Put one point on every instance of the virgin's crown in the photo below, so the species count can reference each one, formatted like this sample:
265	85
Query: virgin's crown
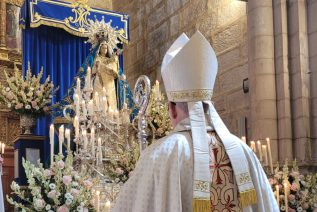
103	32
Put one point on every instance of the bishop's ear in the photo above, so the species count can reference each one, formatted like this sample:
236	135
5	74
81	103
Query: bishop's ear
172	110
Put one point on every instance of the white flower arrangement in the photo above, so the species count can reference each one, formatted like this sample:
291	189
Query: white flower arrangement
59	188
26	95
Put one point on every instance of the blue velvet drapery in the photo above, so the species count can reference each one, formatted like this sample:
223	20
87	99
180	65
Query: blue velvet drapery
61	55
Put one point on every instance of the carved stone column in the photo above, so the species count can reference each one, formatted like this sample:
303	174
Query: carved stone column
282	80
299	78
263	112
312	39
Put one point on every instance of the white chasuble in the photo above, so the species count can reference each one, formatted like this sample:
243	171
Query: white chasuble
163	178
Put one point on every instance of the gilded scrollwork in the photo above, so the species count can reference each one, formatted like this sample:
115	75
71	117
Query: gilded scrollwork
244	178
202	186
190	95
81	10
15	2
10	127
37	17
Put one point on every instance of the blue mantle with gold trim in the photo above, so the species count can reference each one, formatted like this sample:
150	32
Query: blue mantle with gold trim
72	17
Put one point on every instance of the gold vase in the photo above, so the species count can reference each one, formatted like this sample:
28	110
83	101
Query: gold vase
27	123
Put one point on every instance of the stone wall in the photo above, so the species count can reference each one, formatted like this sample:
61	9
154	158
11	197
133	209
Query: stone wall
155	24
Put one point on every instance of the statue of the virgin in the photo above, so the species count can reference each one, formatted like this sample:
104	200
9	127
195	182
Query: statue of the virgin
105	60
105	73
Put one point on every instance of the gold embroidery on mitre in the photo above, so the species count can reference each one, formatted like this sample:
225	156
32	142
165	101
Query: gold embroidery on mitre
190	95
202	186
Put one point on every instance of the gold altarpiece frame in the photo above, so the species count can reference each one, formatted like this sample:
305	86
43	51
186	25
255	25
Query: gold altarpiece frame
10	57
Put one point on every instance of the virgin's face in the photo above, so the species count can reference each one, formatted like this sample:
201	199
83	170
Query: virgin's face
103	49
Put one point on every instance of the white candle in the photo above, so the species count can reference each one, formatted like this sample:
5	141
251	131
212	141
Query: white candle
88	78
99	150
278	195
61	139
52	143
286	196
99	143
85	139
270	153
92	134
252	143
260	150
67	135
76	101
243	139
156	89
97	101
76	126
3	147
78	86
108	206
90	107
98	200
83	105
264	151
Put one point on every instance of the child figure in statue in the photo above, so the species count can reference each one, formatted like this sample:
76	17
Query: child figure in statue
105	72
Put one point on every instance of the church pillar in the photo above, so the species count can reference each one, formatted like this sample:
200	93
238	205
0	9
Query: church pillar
263	112
299	78
312	33
284	119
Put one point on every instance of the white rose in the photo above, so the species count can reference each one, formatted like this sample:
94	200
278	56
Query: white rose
69	201
69	196
9	105
39	204
15	186
7	89
48	207
28	107
52	186
80	208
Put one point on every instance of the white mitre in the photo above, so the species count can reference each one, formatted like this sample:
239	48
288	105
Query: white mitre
189	70
184	72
